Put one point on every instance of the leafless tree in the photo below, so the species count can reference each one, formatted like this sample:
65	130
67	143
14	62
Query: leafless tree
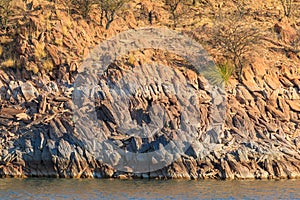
241	6
173	9
109	9
287	7
84	7
5	12
235	39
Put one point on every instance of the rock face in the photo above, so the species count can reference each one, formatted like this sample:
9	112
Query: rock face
38	135
260	138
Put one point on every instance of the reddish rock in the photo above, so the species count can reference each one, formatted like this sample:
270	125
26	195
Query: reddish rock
285	30
294	104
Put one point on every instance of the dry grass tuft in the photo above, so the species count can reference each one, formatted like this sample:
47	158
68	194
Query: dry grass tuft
40	51
8	63
1	51
48	65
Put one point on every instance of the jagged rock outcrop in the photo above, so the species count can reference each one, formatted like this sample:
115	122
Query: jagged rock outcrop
260	137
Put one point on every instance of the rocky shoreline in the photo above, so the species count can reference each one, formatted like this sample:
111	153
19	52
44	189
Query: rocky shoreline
260	138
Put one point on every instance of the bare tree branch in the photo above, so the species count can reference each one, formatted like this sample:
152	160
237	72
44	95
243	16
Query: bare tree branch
235	39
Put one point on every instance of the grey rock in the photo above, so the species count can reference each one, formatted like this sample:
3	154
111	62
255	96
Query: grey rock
29	91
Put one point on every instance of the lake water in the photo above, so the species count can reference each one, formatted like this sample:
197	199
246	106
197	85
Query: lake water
35	188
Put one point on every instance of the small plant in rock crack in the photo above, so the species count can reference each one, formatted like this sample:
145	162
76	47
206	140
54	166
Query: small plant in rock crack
226	70
220	73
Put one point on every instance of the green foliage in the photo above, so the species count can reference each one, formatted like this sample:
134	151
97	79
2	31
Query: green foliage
109	9
226	70
219	74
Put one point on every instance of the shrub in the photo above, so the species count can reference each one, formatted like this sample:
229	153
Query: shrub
109	9
235	39
39	52
8	63
33	67
59	41
287	7
84	7
173	9
48	65
131	59
241	6
5	12
226	70
219	74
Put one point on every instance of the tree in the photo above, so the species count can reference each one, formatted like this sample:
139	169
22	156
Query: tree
173	9
287	7
235	38
84	7
68	4
241	6
109	9
5	12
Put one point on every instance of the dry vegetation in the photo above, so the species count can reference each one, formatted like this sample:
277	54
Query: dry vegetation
5	12
173	8
109	9
42	30
235	38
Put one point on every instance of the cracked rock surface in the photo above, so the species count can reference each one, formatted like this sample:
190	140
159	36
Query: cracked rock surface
260	137
40	137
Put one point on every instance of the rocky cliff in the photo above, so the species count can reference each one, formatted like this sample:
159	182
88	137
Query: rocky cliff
259	139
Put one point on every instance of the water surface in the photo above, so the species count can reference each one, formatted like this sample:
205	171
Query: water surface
35	188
